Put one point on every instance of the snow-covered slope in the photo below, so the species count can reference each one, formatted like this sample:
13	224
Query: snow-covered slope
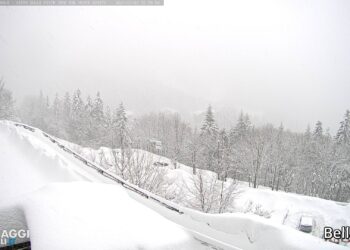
283	208
67	205
62	212
82	215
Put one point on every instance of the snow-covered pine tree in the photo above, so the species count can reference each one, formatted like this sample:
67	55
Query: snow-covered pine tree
121	127
97	111
318	131
77	123
98	119
247	122
209	125
343	134
108	127
208	136
242	127
89	122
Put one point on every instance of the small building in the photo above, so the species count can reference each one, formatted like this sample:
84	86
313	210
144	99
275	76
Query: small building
155	145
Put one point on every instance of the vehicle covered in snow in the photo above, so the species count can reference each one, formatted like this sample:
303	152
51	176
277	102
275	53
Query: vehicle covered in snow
160	164
306	224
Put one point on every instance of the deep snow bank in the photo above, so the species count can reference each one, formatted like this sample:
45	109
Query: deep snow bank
71	214
245	231
287	208
83	215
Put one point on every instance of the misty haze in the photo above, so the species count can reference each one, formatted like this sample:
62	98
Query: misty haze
188	125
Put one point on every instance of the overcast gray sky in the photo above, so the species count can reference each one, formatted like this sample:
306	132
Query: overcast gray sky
281	61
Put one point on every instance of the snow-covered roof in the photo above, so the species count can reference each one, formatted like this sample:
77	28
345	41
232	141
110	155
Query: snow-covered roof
306	221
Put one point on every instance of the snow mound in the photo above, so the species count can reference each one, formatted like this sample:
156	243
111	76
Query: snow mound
82	215
254	232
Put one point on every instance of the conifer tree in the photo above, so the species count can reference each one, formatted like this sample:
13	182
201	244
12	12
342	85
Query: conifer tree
89	121
208	136
121	127
209	126
318	131
343	134
77	125
242	127
97	111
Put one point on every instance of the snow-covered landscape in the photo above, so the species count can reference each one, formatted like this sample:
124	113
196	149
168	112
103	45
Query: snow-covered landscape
182	125
280	207
67	205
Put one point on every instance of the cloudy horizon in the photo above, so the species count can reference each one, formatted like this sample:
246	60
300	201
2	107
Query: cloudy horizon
280	61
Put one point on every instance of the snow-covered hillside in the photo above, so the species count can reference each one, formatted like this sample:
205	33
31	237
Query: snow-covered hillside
281	207
67	205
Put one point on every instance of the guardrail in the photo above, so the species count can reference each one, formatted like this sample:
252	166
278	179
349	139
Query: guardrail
106	173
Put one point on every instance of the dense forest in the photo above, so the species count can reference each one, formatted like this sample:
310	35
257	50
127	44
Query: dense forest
313	163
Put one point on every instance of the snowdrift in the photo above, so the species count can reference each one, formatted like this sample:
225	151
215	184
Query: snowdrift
83	215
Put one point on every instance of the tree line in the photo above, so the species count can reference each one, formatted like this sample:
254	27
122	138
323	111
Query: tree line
313	163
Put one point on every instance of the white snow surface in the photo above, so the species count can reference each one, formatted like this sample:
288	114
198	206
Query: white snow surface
82	215
306	221
67	205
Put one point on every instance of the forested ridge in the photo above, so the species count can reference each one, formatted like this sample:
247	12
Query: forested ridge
313	163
